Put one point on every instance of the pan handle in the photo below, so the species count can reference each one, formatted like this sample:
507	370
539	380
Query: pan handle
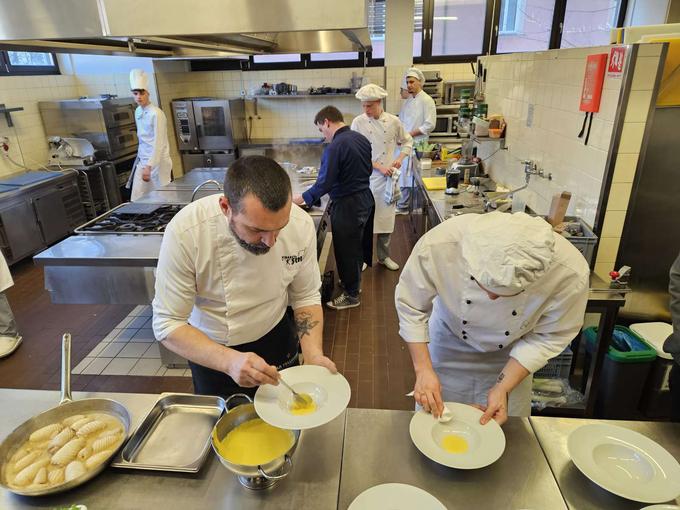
285	470
228	400
66	369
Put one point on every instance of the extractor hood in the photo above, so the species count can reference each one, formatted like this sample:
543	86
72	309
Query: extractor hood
181	29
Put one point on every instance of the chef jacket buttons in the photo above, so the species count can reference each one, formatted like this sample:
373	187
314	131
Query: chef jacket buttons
500	346
464	333
464	337
464	322
507	333
468	301
514	312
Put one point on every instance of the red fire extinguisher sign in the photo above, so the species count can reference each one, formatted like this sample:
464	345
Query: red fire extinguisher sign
596	66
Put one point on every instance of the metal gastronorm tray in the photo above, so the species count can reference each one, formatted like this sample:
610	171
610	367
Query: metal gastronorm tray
174	435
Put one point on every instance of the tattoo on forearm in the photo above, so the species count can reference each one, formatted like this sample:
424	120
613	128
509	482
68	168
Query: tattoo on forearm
304	323
500	377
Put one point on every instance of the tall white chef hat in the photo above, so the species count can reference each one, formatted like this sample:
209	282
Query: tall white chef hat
416	73
371	92
139	80
404	85
506	253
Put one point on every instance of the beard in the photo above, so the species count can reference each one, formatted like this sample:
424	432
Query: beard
254	248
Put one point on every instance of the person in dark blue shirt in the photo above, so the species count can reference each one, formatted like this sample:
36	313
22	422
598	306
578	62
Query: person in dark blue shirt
345	174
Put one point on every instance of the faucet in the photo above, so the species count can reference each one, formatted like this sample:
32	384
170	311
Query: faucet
531	168
209	181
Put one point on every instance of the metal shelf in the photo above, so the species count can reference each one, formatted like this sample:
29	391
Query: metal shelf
298	96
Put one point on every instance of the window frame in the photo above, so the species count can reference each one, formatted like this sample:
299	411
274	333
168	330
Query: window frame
7	69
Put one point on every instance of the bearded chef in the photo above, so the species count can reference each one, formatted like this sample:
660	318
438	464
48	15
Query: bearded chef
484	301
9	337
153	165
387	136
419	115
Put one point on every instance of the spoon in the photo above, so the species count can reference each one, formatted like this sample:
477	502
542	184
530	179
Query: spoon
301	400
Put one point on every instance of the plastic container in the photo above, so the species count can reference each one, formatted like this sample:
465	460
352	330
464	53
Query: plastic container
580	235
656	395
623	375
558	367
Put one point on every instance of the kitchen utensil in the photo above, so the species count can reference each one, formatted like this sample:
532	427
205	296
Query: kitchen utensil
396	496
434	183
298	398
625	463
330	392
484	444
252	477
452	178
173	418
66	407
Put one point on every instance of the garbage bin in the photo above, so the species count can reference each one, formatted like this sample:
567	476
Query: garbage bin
656	395
623	373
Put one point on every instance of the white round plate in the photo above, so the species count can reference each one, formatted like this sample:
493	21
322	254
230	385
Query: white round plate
330	393
486	443
625	463
395	496
661	507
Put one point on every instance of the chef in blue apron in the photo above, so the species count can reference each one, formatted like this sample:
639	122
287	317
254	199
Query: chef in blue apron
153	165
483	302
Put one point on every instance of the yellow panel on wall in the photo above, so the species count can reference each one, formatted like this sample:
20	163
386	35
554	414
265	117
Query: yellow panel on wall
669	92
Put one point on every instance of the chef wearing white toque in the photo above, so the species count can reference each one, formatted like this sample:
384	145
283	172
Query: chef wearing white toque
153	165
419	115
484	301
387	136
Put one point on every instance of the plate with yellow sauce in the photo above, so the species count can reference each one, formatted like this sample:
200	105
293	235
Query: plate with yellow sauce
254	443
462	443
325	395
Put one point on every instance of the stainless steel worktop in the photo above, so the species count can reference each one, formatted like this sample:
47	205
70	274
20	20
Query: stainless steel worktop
272	142
313	483
378	449
578	491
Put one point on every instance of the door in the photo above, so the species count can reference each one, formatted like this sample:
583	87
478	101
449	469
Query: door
52	218
191	161
213	124
20	231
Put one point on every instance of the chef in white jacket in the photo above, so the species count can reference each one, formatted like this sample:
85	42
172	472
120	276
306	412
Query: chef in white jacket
387	136
230	270
419	115
9	337
484	301
153	165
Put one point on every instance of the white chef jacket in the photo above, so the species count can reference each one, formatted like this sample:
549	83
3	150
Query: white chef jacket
385	133
436	286
6	280
419	112
205	278
152	131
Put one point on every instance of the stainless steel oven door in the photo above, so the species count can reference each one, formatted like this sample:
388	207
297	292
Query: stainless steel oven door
123	140
117	116
213	124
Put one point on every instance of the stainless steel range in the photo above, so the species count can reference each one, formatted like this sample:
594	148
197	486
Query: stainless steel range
132	218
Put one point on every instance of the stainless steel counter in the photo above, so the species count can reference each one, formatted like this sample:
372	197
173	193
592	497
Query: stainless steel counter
313	483
378	449
271	142
578	491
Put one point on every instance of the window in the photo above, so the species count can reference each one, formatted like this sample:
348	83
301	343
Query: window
283	57
376	27
458	27
342	55
27	62
524	25
588	22
418	32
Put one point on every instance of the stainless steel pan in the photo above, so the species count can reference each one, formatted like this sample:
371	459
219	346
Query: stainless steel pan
67	407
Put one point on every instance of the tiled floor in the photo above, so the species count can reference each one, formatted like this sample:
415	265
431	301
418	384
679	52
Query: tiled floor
129	349
107	340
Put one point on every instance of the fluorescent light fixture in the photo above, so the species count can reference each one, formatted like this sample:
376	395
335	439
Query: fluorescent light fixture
446	18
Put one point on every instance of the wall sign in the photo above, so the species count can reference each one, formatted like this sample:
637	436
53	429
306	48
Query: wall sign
617	57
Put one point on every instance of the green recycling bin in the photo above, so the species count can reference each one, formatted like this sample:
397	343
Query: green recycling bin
624	372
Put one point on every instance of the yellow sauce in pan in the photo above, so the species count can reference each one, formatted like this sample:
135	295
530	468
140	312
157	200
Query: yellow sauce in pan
455	444
254	443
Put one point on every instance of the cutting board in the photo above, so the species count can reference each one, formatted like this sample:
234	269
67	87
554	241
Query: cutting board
434	183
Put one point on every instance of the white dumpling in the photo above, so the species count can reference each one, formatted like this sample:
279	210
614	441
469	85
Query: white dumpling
44	433
20	453
105	442
68	452
60	440
56	477
27	475
74	470
72	419
41	476
84	453
90	428
76	426
98	458
26	460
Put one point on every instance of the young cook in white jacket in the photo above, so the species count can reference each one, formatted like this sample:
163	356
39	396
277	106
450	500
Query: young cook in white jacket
153	165
386	134
484	301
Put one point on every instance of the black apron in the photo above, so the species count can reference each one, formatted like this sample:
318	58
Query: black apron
352	227
280	347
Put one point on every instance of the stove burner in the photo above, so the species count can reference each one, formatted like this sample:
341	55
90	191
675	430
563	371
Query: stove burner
140	222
